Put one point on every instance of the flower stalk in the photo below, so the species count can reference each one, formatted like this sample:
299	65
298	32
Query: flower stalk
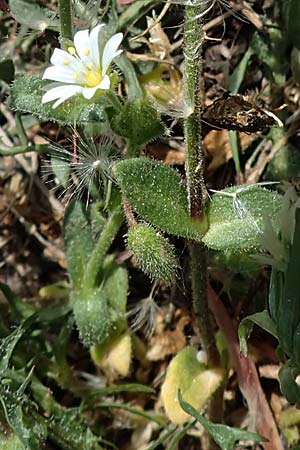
108	234
65	10
193	83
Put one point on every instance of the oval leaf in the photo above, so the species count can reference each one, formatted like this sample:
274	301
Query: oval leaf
157	194
237	215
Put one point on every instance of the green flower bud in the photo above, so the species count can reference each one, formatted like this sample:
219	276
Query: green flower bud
154	254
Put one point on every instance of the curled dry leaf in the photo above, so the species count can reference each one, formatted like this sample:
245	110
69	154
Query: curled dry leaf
167	342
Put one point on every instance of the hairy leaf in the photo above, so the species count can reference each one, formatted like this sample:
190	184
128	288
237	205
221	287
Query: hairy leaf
78	241
33	16
157	194
226	437
236	217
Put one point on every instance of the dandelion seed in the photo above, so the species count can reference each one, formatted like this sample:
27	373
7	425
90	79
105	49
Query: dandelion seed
239	206
144	315
77	174
83	69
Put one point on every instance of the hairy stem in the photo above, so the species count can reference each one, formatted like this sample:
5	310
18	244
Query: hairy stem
194	37
65	10
199	290
193	82
108	234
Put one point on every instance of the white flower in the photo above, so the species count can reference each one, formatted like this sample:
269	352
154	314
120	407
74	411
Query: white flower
83	69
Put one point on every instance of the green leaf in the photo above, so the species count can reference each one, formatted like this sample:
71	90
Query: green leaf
289	387
263	320
70	431
79	241
289	307
33	16
10	442
275	292
271	49
138	411
19	308
133	11
26	96
126	67
293	20
8	344
112	390
92	315
138	122
286	163
194	379
157	194
237	76
116	288
31	432
7	70
236	217
226	437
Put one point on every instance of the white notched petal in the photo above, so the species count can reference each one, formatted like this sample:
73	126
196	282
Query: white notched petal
105	83
111	51
94	44
61	92
82	43
60	57
88	93
58	73
66	96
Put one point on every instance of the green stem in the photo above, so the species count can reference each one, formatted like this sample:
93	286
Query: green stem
65	10
107	235
199	290
114	101
133	150
195	162
21	130
38	148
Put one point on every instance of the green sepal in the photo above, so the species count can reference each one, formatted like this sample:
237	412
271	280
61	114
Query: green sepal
79	242
26	96
154	254
138	122
157	194
236	218
225	436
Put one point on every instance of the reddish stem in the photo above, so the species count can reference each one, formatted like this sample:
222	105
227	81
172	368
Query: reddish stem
259	409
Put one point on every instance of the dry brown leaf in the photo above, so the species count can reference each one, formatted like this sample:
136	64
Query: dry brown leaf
218	148
166	342
166	154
